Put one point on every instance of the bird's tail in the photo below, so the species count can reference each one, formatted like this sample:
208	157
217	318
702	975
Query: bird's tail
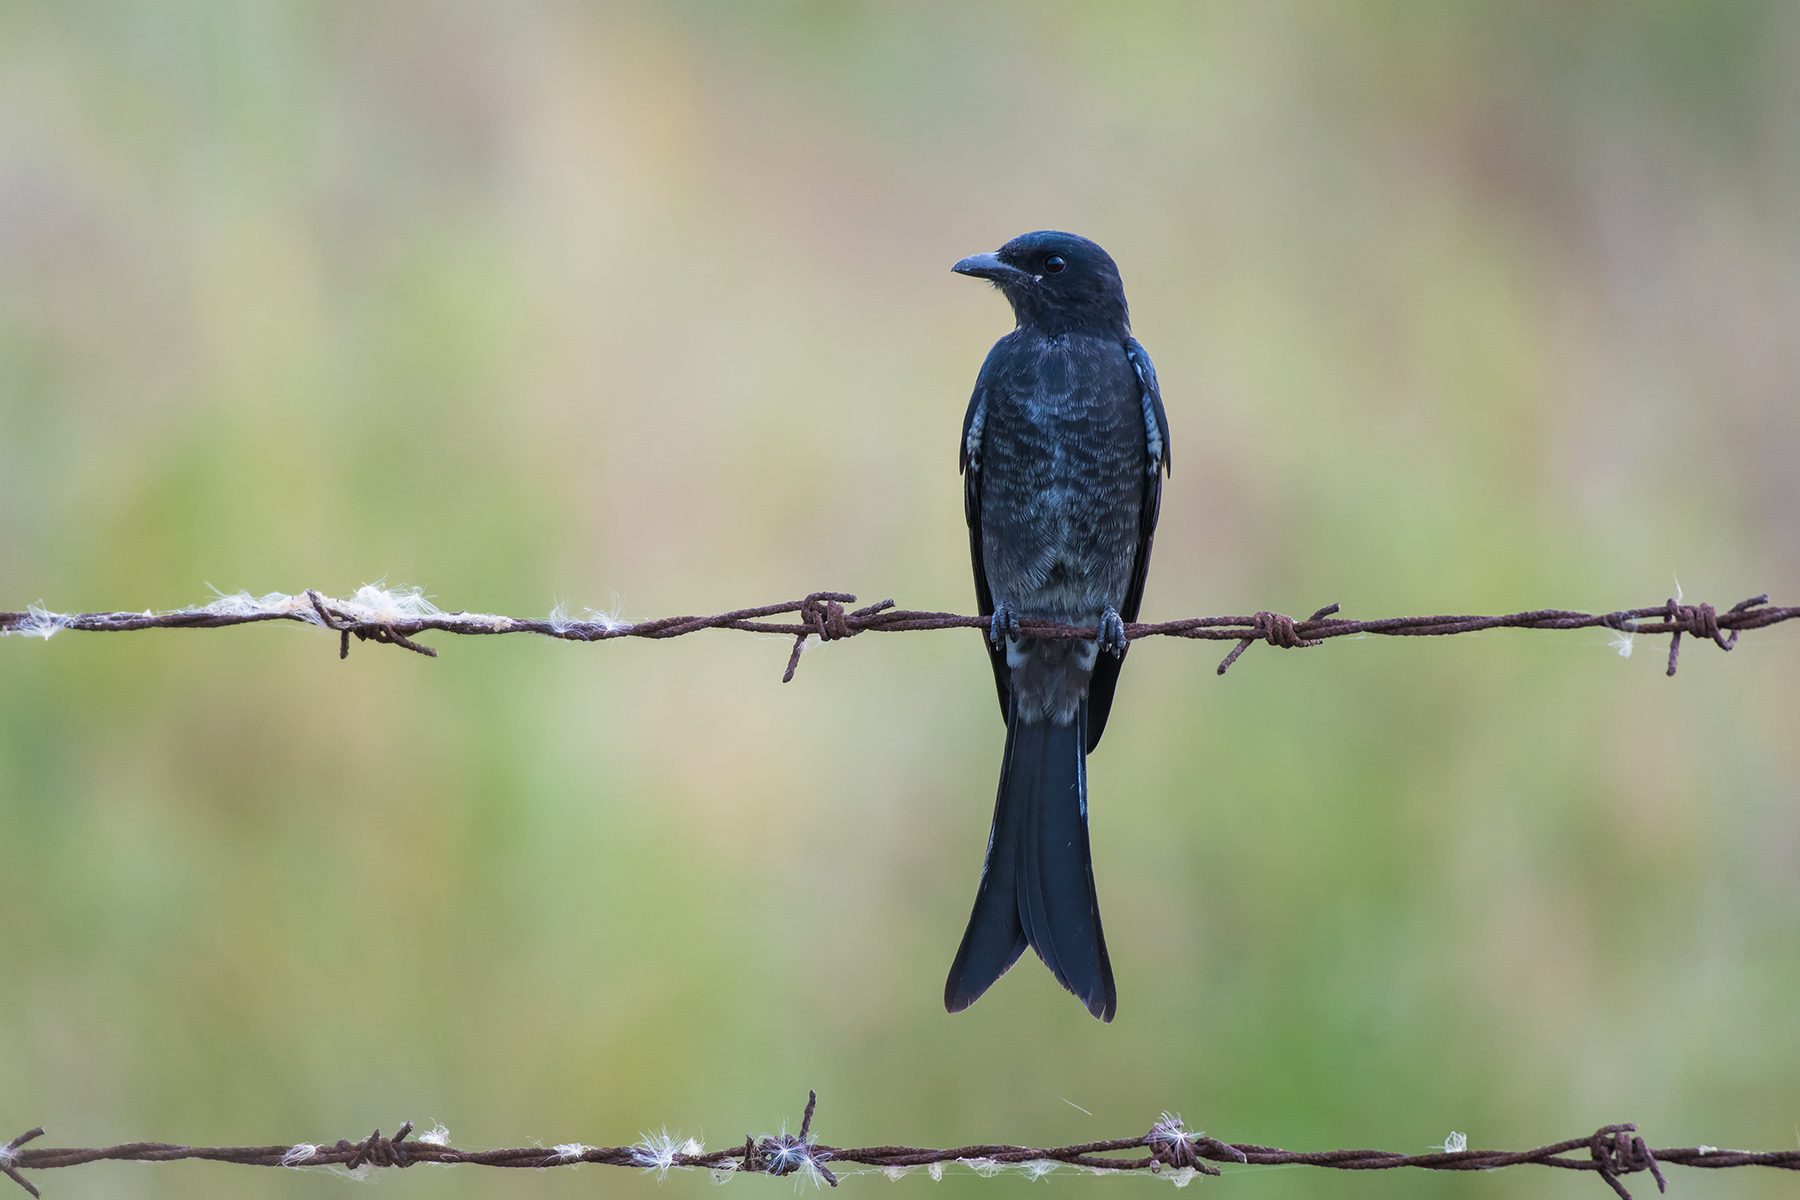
1037	886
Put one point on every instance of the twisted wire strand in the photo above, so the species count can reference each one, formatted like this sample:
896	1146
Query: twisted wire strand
1612	1151
822	615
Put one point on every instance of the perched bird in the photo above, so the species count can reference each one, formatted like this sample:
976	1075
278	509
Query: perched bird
1064	448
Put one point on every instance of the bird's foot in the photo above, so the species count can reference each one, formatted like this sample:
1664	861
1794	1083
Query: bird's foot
1004	625
1112	632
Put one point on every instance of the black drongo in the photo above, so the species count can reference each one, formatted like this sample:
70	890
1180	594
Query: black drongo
1063	452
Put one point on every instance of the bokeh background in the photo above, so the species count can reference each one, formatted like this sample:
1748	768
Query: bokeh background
1470	307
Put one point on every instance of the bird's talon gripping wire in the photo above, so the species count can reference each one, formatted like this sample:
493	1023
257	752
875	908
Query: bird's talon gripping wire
1005	624
1112	632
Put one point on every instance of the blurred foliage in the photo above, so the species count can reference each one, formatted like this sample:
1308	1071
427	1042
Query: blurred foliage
1466	307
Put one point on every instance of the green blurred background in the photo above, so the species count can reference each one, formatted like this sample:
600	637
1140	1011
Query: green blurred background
1469	307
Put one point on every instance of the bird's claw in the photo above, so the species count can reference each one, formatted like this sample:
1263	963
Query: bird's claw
1005	624
1112	633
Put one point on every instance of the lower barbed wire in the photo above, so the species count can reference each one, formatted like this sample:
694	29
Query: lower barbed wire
1175	1154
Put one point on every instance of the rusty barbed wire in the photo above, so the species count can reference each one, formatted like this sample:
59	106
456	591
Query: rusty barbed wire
396	618
1612	1152
393	618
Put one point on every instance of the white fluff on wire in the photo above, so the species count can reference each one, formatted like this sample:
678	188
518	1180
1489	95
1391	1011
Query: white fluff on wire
374	603
40	622
371	604
299	1154
657	1151
560	621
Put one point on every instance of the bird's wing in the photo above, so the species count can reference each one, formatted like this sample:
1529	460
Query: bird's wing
1156	465
974	423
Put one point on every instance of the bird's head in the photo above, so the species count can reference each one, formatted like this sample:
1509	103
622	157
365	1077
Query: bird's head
1056	282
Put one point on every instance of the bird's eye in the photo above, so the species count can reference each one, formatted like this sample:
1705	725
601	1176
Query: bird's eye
1054	264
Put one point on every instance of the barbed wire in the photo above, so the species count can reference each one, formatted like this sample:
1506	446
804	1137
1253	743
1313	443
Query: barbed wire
1612	1151
376	614
396	617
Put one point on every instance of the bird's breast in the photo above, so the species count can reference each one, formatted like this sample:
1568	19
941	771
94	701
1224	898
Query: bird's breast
1063	454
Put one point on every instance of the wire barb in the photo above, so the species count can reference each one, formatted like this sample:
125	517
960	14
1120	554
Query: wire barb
9	1154
783	1153
1173	1145
822	615
365	631
1278	630
378	1151
1615	1154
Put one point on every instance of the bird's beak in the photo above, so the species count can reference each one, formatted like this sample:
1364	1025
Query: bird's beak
989	266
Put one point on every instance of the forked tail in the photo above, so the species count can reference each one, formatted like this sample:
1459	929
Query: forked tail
1037	886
